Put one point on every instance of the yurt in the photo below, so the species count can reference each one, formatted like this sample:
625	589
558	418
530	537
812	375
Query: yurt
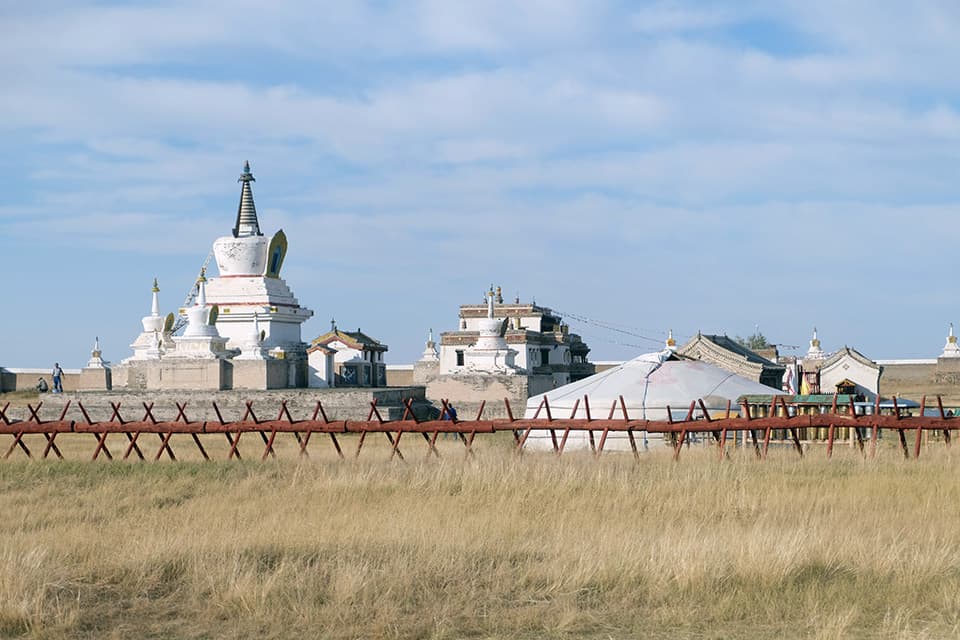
648	384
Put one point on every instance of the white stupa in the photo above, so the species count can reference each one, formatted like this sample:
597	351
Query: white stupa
252	348
815	352
671	343
148	345
201	338
951	350
430	350
96	360
490	353
249	291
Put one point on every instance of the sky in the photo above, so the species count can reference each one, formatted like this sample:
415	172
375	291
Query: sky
723	167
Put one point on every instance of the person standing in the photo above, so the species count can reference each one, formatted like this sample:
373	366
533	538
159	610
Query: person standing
57	376
450	413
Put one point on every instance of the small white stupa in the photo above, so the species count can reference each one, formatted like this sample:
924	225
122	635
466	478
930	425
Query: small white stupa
201	339
671	343
815	352
96	360
430	350
148	345
252	348
951	349
490	353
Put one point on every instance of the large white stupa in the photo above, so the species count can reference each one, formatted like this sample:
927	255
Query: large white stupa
249	292
242	328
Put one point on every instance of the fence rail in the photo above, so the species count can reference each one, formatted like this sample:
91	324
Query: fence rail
865	429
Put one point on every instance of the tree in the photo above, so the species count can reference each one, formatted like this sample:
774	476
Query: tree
754	342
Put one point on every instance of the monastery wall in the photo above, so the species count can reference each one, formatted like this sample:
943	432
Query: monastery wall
467	392
399	375
338	404
913	380
260	374
18	379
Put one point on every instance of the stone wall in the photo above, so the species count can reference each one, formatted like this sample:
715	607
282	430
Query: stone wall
338	404
260	374
26	379
400	375
467	392
914	380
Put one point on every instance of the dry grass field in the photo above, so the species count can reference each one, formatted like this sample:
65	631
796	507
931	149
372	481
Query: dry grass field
497	547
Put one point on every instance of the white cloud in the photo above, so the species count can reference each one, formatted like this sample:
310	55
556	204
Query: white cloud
470	141
659	18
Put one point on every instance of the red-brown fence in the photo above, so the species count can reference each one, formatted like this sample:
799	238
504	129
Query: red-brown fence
866	429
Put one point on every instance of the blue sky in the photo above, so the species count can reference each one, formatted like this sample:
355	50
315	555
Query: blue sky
688	165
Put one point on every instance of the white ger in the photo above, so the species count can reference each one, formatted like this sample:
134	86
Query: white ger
649	384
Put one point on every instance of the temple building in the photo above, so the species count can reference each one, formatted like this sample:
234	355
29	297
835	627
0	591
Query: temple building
729	354
501	350
542	342
357	359
241	330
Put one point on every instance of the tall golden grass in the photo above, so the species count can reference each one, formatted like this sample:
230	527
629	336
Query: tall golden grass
497	547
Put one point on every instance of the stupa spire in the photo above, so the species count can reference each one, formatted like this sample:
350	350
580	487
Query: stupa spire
247	224
155	306
202	288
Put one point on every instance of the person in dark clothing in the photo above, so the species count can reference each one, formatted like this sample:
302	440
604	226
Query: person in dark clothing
450	413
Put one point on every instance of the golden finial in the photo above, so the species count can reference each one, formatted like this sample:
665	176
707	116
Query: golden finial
670	341
156	287
203	275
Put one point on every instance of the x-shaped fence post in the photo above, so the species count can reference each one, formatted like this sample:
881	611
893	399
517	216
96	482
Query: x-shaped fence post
626	421
408	413
566	430
268	450
101	439
233	442
296	434
468	441
18	437
51	437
